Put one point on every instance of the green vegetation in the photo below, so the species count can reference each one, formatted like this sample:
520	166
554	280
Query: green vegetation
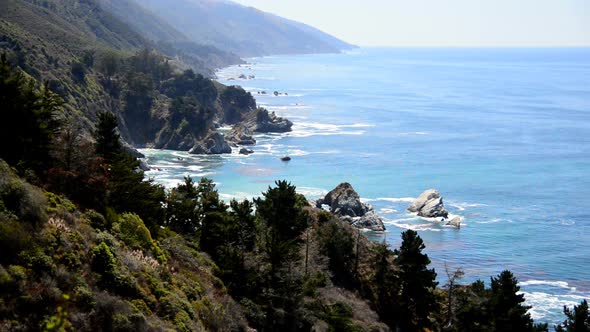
88	243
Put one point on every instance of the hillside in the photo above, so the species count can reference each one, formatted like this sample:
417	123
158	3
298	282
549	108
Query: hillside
167	39
245	31
96	62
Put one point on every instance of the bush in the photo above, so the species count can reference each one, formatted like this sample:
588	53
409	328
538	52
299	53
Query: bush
131	230
96	220
20	198
78	72
58	203
14	238
103	260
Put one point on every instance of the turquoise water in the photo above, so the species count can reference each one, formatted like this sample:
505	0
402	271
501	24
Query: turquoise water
503	134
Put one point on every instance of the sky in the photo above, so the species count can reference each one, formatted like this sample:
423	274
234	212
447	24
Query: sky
442	22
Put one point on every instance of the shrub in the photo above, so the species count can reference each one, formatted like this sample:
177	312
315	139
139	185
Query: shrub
14	238
96	220
103	260
58	203
20	198
131	230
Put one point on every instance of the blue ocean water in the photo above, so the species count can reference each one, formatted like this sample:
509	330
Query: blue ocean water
503	134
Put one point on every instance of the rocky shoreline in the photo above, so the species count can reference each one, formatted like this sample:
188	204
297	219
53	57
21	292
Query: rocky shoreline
242	133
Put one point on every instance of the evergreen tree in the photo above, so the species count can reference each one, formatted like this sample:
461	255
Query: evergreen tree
283	221
338	244
241	214
577	320
182	207
128	191
386	281
507	306
417	283
29	119
108	144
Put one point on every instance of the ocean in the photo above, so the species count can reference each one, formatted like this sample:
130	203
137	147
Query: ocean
502	133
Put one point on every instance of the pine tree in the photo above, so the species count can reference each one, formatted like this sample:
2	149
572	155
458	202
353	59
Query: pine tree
108	144
507	306
577	320
29	119
417	283
386	281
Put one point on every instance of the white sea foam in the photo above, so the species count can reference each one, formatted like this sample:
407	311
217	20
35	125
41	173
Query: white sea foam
565	222
297	153
306	129
544	304
493	221
462	206
387	210
560	284
404	223
415	133
311	192
390	199
239	196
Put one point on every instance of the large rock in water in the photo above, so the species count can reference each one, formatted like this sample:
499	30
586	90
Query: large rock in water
263	122
214	143
241	136
429	205
346	203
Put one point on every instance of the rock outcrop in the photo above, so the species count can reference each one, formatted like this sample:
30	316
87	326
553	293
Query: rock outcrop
240	136
429	205
345	203
262	121
245	151
456	222
214	143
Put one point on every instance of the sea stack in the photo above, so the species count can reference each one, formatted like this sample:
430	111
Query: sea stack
429	205
346	203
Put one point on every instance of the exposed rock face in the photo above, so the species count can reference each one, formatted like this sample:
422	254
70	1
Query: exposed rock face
346	204
214	143
246	151
241	136
429	205
263	122
454	222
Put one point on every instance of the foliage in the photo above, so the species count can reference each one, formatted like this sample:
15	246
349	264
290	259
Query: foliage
577	319
417	283
29	119
107	139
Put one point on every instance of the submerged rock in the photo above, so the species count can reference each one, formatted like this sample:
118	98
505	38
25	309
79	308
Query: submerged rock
246	151
286	158
214	143
346	203
429	205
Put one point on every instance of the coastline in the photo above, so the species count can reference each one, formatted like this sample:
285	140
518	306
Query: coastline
501	222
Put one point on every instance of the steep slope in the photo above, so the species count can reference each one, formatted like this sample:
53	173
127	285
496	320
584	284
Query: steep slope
47	40
96	62
167	39
245	31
